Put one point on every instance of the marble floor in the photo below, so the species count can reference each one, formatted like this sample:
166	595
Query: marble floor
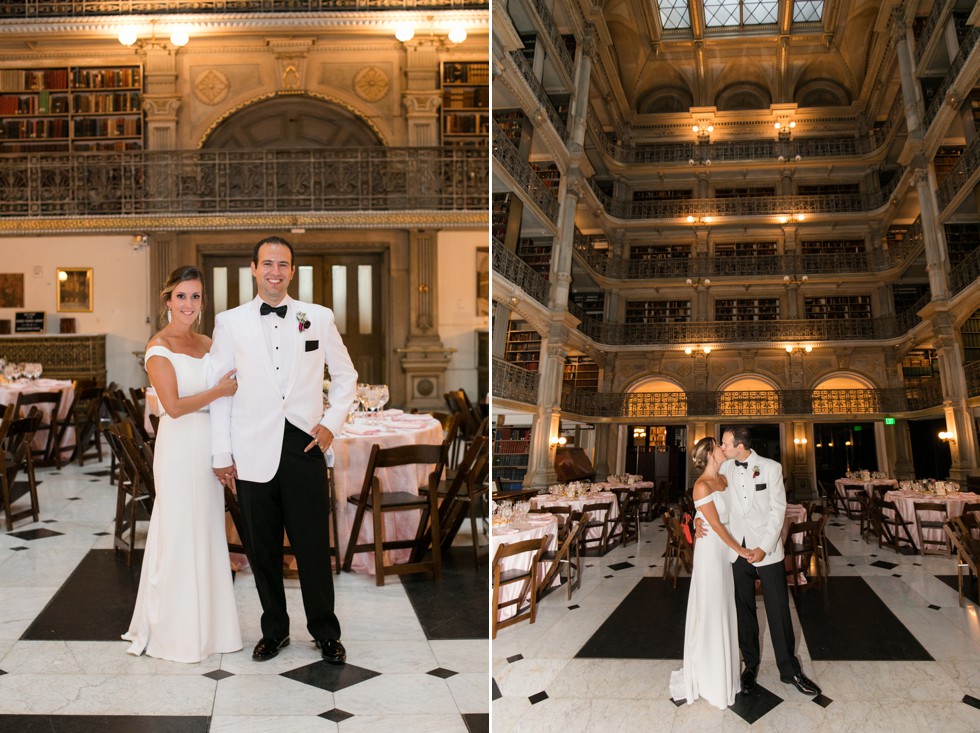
65	598
886	640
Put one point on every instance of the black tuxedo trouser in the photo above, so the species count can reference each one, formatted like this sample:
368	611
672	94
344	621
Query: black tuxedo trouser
295	500
776	598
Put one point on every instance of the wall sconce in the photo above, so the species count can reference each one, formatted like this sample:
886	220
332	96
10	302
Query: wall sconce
557	441
800	441
405	32
691	350
787	218
793	280
691	219
699	161
699	282
947	437
703	131
784	128
807	349
639	433
795	159
129	36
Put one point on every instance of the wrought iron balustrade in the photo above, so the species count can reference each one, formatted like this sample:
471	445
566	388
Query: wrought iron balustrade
922	40
960	173
972	371
512	382
520	273
966	49
548	23
537	88
735	403
82	8
965	273
928	393
515	164
909	318
190	182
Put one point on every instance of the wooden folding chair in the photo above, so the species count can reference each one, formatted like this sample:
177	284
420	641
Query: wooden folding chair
967	551
135	489
804	544
462	495
598	512
84	418
16	436
624	527
679	551
567	557
891	528
923	522
527	576
48	455
372	499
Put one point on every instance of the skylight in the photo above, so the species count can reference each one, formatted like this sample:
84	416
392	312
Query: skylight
807	11
674	14
733	13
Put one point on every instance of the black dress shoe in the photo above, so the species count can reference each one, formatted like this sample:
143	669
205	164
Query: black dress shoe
748	679
268	647
802	683
332	651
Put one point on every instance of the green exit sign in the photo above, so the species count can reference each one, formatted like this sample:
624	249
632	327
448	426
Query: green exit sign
889	421
857	428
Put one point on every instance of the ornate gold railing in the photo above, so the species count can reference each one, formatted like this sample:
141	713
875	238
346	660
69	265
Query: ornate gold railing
76	8
514	383
191	182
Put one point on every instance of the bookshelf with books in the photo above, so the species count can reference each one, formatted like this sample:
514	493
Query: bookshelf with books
513	123
536	253
745	249
548	173
523	346
659	251
511	448
832	246
465	102
658	311
970	333
747	309
592	303
838	307
71	108
582	372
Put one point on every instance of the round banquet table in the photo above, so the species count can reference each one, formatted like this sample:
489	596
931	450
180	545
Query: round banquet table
349	457
848	485
905	502
543	501
10	391
635	485
536	525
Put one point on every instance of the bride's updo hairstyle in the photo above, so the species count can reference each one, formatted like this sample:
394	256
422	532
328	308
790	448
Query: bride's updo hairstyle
182	274
702	449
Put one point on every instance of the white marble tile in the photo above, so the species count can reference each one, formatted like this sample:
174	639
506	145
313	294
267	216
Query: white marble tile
403	724
558	716
613	679
271	724
886	682
83	694
506	712
398	694
471	691
297	654
528	676
262	695
392	656
40	566
701	716
623	716
462	655
5	647
932	716
20	607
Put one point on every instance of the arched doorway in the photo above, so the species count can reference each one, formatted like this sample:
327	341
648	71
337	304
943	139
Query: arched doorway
752	397
349	280
844	445
656	449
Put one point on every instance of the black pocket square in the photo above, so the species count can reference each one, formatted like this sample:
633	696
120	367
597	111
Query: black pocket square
312	345
761	487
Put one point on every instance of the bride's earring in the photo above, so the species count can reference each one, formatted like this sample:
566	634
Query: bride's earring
200	315
170	317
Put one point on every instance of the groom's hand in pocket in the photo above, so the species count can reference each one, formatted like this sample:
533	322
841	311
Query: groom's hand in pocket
322	438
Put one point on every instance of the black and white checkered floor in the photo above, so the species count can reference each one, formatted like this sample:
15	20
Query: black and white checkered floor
885	639
417	650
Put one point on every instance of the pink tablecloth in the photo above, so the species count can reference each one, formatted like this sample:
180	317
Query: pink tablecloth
9	392
634	485
849	485
577	504
351	451
537	525
905	502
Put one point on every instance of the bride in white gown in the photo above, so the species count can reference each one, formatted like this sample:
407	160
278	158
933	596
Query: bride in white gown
711	630
185	609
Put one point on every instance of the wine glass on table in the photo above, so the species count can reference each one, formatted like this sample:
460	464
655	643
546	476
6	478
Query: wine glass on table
383	396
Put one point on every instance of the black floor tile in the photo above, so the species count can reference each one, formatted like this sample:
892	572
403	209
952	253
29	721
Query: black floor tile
36	534
655	614
831	550
621	566
495	693
969	586
104	724
752	706
822	700
477	722
834	622
538	697
884	564
336	715
103	472
94	604
218	674
515	658
330	677
455	607
971	701
442	673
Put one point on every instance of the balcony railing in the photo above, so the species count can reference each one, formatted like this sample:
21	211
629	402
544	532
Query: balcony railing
972	378
922	40
81	8
189	182
962	172
537	88
514	383
967	272
966	48
735	403
515	164
548	23
517	271
761	206
720	332
928	393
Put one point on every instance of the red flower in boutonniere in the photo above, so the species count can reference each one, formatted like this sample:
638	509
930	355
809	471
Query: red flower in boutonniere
755	472
303	322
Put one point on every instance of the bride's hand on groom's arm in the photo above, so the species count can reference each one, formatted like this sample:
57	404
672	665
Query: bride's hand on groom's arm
227	385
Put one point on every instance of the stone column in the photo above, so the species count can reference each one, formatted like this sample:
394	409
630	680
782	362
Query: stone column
959	416
424	359
541	462
578	119
911	92
501	317
160	98
564	243
422	97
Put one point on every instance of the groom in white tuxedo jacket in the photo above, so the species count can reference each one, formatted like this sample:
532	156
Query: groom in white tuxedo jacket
758	510
268	440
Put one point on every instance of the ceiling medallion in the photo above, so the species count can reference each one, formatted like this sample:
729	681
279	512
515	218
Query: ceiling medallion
371	84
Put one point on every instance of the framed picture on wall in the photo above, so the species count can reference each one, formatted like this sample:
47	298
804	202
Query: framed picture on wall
483	281
74	288
12	290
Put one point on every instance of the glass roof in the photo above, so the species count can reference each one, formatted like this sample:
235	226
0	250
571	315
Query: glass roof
676	15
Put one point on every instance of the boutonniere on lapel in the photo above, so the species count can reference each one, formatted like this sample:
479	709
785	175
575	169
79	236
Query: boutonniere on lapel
755	472
303	322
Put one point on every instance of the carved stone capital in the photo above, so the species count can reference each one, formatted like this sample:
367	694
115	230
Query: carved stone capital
161	107
421	103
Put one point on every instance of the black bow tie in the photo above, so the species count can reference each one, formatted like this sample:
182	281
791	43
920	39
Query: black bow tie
743	464
266	309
